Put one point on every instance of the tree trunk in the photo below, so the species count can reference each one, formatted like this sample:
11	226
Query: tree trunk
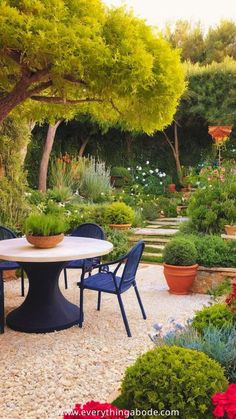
175	150
177	158
83	146
14	98
43	170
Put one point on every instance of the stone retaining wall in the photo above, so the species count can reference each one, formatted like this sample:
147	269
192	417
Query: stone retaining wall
211	277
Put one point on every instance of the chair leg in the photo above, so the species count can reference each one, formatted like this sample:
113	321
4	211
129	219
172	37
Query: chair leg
2	320
124	315
140	301
81	305
22	283
65	279
99	300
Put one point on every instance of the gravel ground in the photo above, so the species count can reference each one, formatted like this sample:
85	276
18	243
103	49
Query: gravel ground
43	375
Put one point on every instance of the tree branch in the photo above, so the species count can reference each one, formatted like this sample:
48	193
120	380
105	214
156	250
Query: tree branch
115	107
41	86
170	143
63	101
72	79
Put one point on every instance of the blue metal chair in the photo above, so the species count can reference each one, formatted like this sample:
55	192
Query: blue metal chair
109	282
5	234
93	231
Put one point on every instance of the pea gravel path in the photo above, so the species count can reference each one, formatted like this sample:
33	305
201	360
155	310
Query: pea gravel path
43	375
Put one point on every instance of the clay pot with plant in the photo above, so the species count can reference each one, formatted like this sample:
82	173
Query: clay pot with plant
45	230
119	215
180	267
230	213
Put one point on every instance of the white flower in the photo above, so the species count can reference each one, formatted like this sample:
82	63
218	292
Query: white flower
151	171
161	183
136	177
102	193
146	184
143	180
143	174
156	170
128	168
147	162
139	168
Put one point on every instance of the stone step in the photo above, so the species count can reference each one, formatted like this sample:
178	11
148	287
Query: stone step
167	226
154	240
175	219
154	232
155	246
152	254
164	223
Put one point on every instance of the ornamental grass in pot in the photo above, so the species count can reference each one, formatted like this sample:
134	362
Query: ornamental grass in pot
180	267
45	230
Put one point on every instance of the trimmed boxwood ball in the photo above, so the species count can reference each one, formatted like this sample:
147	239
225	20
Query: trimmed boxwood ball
173	378
180	252
217	315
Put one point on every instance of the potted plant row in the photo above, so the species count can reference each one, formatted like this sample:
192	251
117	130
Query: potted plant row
180	267
45	230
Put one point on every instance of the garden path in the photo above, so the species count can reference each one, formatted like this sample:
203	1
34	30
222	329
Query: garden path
44	374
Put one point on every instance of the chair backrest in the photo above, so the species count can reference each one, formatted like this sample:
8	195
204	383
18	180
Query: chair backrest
91	230
6	233
131	264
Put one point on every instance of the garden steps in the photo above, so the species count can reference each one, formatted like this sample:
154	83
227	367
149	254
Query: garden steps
156	235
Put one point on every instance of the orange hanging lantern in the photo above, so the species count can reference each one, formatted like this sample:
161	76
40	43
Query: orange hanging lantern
220	133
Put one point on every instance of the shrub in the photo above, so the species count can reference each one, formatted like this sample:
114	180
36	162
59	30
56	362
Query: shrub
119	213
120	241
217	315
173	378
45	225
213	250
224	288
120	171
180	252
218	344
213	206
14	207
167	206
150	211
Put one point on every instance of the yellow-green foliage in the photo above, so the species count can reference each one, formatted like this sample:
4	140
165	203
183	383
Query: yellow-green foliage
131	75
173	378
218	315
118	213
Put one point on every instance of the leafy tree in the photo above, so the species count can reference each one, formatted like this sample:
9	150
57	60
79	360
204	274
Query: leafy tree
221	42
73	52
189	38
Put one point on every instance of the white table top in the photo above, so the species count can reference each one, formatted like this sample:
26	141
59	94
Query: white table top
71	248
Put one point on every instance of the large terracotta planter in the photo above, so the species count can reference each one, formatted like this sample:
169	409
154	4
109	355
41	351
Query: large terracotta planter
180	278
230	230
120	226
172	187
45	242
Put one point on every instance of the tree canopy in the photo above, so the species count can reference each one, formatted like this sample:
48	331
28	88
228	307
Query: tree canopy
197	46
79	53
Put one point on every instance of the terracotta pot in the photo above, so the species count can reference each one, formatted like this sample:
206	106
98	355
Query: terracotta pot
180	278
172	187
120	226
230	230
45	242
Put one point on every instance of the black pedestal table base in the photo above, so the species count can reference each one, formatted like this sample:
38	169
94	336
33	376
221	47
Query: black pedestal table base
45	309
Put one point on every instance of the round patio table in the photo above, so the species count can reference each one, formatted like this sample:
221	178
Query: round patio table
45	309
